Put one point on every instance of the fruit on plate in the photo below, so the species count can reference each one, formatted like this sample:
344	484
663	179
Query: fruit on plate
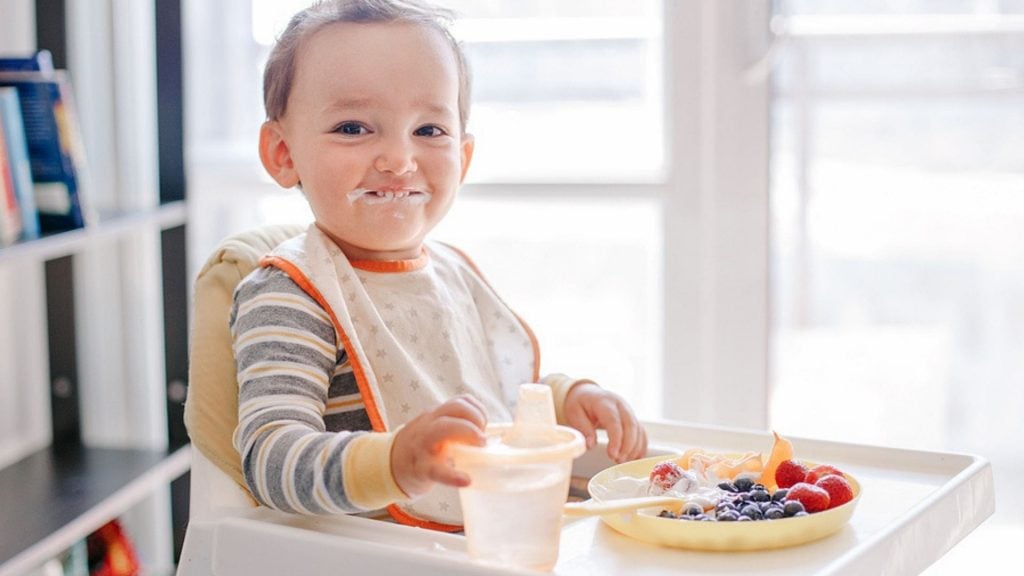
819	472
839	490
665	474
722	466
814	498
789	473
740	488
782	450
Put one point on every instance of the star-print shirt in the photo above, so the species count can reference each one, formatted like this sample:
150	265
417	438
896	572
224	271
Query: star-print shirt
333	356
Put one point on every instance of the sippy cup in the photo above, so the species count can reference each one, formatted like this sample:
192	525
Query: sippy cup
519	480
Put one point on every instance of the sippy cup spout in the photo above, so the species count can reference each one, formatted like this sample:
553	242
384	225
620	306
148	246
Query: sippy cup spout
534	425
535	406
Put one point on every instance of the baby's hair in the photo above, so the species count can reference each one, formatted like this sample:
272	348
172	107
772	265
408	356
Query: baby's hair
279	72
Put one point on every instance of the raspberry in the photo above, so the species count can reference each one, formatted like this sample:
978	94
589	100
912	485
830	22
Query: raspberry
665	474
819	472
789	473
839	490
814	498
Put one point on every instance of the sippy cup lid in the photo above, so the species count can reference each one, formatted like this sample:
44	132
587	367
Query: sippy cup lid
534	436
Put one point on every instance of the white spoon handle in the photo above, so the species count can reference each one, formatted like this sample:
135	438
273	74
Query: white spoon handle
598	508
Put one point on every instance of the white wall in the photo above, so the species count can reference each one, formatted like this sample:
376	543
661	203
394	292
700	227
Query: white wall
18	26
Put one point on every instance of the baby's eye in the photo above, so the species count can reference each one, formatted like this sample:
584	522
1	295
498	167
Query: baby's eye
351	129
429	131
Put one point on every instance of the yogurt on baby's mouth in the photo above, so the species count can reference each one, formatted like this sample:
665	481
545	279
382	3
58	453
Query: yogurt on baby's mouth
369	196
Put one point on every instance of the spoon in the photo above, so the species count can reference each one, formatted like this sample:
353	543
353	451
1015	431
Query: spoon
601	508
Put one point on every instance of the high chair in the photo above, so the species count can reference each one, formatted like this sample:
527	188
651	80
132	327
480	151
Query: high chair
228	533
211	410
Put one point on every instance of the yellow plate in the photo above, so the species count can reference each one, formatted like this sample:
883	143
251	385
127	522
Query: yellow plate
645	524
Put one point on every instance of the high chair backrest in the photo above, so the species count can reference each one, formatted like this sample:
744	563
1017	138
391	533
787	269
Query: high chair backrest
211	409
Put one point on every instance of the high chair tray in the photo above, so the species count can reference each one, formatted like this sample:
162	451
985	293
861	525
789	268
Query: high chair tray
914	507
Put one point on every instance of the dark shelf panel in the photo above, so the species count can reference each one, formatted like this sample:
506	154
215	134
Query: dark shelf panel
58	495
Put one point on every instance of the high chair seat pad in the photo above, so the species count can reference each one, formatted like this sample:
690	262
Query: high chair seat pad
211	409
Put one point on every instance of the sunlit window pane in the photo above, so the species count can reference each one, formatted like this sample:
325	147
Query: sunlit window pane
897	252
565	91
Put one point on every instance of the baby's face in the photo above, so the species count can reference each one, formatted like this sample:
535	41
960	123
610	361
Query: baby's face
372	132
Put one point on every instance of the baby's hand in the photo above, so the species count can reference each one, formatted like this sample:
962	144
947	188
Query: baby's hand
588	407
417	455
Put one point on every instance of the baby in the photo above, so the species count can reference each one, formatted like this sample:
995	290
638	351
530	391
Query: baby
362	349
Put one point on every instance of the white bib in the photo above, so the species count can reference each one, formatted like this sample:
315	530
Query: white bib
417	333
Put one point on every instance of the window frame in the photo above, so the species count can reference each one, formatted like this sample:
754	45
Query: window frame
714	198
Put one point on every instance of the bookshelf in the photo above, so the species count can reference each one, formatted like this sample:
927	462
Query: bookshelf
93	321
62	493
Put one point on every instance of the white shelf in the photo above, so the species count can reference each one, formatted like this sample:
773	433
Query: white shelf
108	226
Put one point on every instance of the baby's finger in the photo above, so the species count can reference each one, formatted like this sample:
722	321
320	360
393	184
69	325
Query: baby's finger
630	432
639	446
642	447
465	407
576	417
447	429
608	418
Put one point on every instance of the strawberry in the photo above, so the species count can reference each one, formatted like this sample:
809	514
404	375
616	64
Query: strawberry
818	472
790	472
813	498
665	474
839	490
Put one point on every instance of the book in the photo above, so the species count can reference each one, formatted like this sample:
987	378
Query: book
10	215
54	146
38	61
21	169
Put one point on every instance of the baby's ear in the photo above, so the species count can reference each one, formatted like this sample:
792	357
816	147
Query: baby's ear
276	156
468	143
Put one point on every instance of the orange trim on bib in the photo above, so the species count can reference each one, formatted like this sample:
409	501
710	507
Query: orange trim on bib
299	278
410	520
526	327
392	266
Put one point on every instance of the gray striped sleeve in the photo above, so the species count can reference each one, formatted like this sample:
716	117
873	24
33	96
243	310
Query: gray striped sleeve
286	357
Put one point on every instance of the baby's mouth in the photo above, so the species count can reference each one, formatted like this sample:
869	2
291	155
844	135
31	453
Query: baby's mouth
368	196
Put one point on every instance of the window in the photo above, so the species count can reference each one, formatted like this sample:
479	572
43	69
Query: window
897	197
562	208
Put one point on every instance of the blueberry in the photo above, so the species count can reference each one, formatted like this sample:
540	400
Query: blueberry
752	512
793	507
774	514
692	510
728	516
666	514
743	484
760	495
727	486
726	510
780	494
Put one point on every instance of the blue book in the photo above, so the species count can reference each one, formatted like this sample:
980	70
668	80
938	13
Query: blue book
54	146
20	165
39	61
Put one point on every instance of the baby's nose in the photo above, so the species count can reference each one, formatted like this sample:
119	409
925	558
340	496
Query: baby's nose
396	156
